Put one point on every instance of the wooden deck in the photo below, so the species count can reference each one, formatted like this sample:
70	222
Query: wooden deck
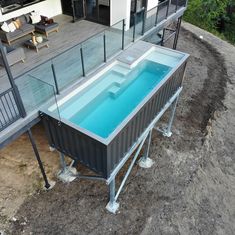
69	35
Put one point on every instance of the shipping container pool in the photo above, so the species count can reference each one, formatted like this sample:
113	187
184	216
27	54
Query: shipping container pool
98	122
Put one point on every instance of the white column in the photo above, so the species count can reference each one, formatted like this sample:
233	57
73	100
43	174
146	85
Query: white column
48	8
119	10
152	4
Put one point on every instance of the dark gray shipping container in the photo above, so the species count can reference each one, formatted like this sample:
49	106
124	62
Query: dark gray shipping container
103	156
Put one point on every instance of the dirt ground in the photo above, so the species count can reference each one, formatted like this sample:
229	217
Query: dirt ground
189	190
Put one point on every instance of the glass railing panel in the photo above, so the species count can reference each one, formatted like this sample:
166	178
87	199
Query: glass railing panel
43	72
181	3
173	7
113	37
139	20
93	52
68	67
4	80
150	19
162	11
9	111
128	36
34	92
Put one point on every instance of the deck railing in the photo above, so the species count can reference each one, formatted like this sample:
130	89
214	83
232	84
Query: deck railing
9	112
80	60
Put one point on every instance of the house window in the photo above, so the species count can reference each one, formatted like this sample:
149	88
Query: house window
12	5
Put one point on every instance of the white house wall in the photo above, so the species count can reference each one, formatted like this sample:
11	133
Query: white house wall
152	4
119	10
48	8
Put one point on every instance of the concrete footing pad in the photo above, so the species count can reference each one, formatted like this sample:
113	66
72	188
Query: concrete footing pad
112	207
52	184
68	174
145	162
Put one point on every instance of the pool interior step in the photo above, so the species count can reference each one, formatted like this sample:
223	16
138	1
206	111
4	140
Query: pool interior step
121	70
114	91
120	82
114	78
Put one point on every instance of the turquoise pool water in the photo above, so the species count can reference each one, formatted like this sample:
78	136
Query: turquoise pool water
102	106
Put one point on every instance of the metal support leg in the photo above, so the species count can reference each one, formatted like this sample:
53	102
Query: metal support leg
163	36
47	185
177	33
67	173
112	206
62	161
167	132
145	161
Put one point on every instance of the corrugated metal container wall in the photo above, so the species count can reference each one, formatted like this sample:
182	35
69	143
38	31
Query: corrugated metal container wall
124	140
76	145
95	155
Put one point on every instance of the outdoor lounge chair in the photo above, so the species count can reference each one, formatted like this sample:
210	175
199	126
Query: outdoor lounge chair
46	26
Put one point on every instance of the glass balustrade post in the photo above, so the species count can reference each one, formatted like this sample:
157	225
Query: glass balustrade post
123	33
176	7
55	79
144	21
104	39
156	19
167	10
82	60
134	27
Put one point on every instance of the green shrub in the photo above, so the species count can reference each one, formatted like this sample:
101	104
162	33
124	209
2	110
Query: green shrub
206	13
209	14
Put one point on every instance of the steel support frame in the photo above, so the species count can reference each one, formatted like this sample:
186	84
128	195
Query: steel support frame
173	32
177	33
145	161
167	131
67	173
146	153
113	205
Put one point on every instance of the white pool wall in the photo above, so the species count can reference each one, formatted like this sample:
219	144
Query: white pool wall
162	56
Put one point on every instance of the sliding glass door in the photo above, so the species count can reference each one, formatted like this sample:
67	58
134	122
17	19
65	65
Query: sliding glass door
94	10
98	11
